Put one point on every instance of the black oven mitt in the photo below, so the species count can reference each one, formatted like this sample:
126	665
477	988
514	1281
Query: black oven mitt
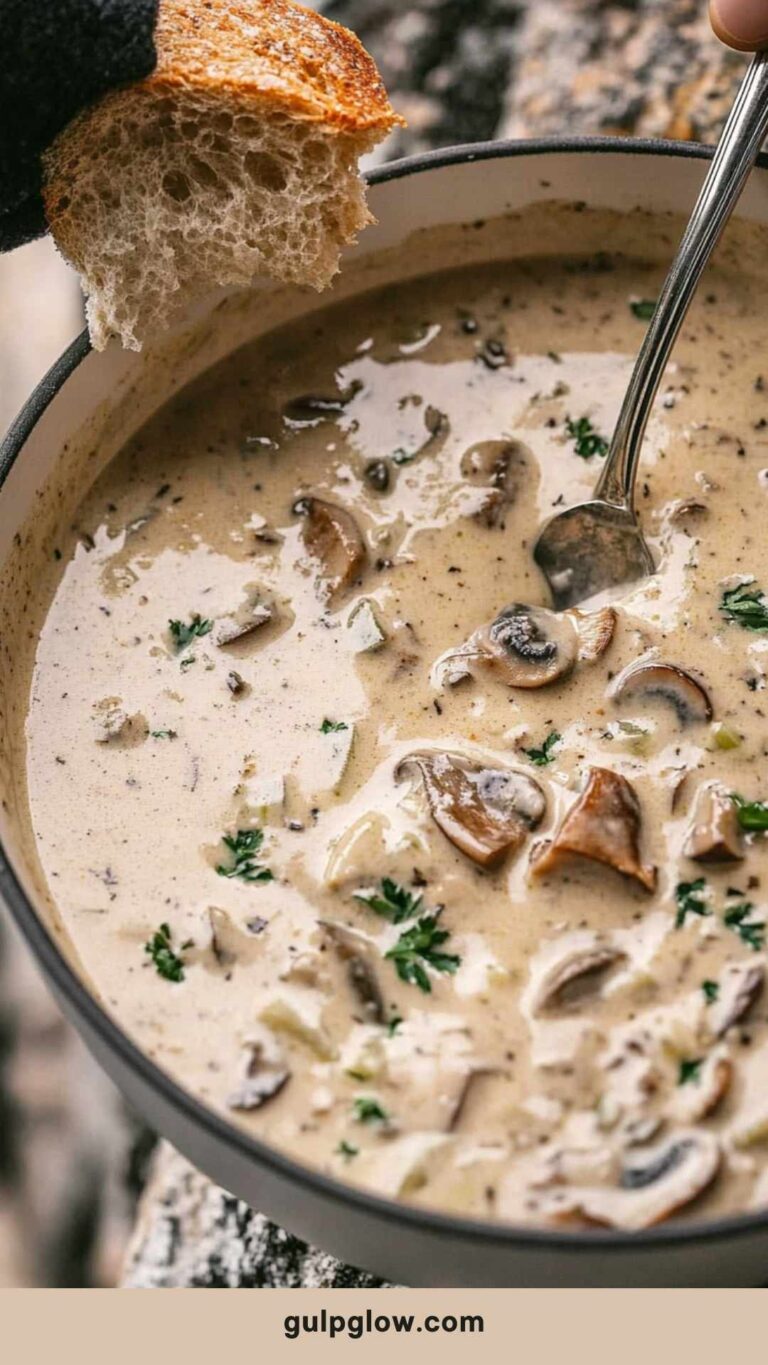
56	57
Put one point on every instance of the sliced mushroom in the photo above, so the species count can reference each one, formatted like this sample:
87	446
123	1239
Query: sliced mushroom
582	966
332	536
112	722
309	409
236	684
485	812
701	1096
475	1074
603	825
226	940
366	632
739	988
265	1074
353	949
715	835
241	623
595	630
497	467
669	1178
683	510
527	646
669	683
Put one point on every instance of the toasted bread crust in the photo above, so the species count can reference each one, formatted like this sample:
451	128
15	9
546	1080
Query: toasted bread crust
273	51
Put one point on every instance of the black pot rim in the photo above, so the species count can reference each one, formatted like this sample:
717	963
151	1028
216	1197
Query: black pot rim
69	985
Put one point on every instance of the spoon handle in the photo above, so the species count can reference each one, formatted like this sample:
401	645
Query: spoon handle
734	157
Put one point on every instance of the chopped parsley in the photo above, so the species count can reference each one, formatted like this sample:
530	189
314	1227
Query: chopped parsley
643	309
690	897
331	727
346	1150
394	1025
183	634
167	963
541	757
711	991
746	606
419	947
244	846
368	1110
690	1070
163	734
751	932
392	902
587	442
752	815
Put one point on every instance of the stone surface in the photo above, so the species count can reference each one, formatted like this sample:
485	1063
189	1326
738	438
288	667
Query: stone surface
190	1234
461	71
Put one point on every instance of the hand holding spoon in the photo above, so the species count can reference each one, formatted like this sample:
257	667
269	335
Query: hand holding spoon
598	545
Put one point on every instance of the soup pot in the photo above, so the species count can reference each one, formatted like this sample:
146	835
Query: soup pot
75	420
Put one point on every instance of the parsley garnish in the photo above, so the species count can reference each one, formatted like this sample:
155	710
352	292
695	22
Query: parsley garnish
163	734
752	815
346	1150
368	1110
418	945
643	309
394	1025
244	847
690	900
587	441
393	902
183	634
690	1069
541	757
711	991
330	727
168	964
751	932
746	605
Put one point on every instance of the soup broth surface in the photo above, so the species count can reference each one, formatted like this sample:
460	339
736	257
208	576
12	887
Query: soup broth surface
321	844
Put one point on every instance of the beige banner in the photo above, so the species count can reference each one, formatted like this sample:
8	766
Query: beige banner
521	1326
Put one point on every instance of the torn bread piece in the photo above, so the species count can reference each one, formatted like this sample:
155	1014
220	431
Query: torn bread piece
237	157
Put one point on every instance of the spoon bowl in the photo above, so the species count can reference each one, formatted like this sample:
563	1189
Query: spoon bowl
589	549
598	545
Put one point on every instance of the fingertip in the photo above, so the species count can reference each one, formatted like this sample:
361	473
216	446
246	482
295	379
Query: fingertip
740	24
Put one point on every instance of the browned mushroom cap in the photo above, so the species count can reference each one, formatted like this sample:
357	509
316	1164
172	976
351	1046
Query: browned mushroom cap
604	825
715	835
528	646
577	968
332	536
486	812
595	632
670	1176
265	1075
352	948
740	986
667	682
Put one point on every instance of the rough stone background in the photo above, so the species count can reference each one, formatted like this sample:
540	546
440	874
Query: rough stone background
72	1161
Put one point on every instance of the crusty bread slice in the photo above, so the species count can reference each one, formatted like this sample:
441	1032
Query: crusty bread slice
236	157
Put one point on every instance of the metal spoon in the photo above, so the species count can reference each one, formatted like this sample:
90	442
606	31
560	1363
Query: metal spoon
598	545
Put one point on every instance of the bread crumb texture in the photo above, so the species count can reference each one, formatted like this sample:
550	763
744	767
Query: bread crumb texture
236	158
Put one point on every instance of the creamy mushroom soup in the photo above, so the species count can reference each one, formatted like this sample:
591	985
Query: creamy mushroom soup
440	892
